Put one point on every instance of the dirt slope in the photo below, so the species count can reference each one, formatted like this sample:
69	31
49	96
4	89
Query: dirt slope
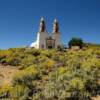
6	73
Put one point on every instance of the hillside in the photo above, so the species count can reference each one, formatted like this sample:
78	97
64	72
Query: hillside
91	45
30	74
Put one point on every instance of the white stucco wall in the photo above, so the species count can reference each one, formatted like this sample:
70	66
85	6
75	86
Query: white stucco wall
56	36
40	40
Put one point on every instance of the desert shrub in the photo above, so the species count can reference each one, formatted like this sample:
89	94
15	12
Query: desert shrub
48	53
4	90
28	61
10	57
62	70
25	80
19	92
26	76
33	51
4	54
14	61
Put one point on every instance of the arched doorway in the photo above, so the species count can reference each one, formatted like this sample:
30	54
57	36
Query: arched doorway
50	43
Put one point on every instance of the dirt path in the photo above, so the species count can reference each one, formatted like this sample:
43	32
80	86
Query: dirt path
6	73
96	98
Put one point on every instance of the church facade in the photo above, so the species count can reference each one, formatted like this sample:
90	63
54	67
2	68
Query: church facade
44	40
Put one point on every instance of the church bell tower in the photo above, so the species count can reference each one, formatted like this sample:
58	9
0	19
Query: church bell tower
56	33
42	35
42	27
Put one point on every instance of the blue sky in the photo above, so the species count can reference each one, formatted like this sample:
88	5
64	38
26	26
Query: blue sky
19	20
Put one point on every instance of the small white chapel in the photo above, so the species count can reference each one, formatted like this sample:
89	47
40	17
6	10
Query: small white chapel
45	40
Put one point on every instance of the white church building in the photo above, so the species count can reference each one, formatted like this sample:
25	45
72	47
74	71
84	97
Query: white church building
44	40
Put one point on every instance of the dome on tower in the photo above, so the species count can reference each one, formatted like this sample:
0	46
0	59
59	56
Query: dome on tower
55	20
42	18
55	26
42	27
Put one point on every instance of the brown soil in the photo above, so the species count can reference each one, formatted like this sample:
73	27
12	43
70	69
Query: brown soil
7	73
96	98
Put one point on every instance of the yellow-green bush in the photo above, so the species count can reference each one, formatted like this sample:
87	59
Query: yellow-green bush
26	76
